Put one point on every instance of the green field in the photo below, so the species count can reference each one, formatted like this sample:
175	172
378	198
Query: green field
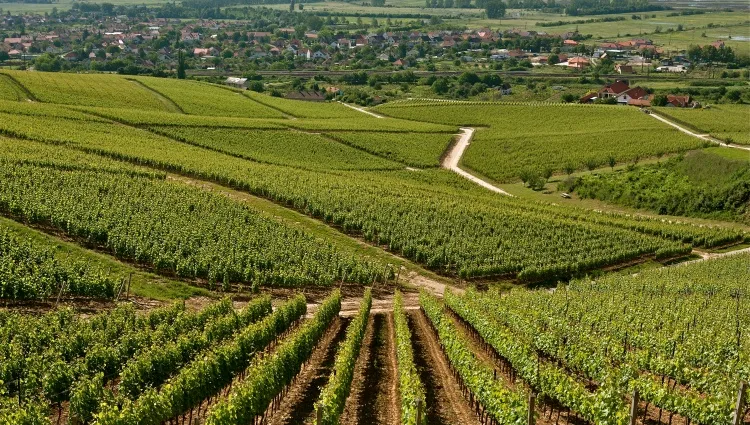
730	123
297	235
702	183
725	24
86	90
552	138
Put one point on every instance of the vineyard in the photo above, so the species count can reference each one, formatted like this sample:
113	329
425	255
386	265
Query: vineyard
552	139
177	252
729	123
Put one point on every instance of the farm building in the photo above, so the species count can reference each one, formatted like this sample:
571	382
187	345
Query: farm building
578	63
310	96
240	83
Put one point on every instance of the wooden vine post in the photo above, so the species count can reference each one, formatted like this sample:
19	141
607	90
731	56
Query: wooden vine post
739	409
532	399
319	416
419	411
634	407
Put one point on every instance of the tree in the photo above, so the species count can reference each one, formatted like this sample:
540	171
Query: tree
612	161
568	98
553	59
291	6
180	65
659	100
48	63
440	86
495	9
4	56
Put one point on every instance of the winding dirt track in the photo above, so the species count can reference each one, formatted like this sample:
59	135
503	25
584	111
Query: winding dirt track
454	157
363	110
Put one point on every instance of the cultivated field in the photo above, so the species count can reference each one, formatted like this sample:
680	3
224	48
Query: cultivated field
178	252
729	123
551	138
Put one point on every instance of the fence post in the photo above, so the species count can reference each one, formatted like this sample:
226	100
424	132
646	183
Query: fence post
634	407
419	411
532	399
319	418
130	278
739	409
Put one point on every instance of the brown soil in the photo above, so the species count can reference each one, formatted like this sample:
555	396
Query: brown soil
445	402
373	398
298	405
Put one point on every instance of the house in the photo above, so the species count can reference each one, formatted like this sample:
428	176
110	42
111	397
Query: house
675	68
619	90
240	83
334	90
623	69
70	56
320	55
588	98
310	96
678	101
613	90
635	93
578	62
641	103
398	62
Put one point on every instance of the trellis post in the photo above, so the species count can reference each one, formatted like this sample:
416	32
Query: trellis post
634	407
739	409
532	399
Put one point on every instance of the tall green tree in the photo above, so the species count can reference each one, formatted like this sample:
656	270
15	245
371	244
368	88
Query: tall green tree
180	65
495	9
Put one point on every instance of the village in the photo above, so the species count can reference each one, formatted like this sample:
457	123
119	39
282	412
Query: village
118	43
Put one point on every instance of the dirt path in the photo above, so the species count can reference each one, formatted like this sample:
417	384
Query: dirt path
298	405
705	137
705	256
454	157
445	401
373	398
363	110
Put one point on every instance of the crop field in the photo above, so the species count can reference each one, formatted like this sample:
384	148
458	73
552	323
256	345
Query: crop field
280	147
220	258
551	138
729	123
198	98
294	109
663	332
418	150
86	90
9	90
